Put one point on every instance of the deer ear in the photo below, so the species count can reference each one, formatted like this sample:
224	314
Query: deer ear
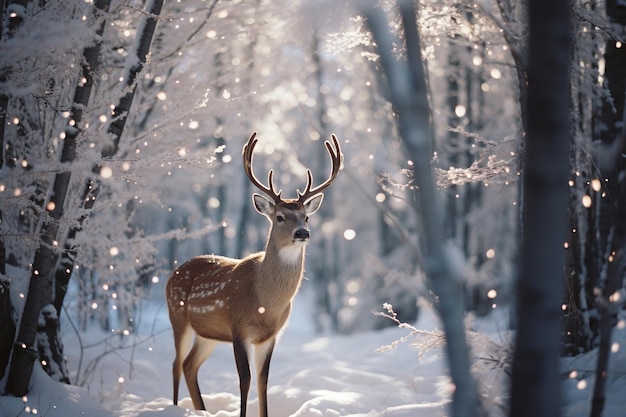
263	205
313	204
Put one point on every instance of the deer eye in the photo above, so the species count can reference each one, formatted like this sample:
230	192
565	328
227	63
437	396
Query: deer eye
306	218
280	218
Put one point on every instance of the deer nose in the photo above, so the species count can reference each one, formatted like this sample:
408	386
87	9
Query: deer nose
301	234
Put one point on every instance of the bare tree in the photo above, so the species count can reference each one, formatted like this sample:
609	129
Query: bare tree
610	211
409	95
536	383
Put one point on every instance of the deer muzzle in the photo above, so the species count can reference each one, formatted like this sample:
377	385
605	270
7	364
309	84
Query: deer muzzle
301	235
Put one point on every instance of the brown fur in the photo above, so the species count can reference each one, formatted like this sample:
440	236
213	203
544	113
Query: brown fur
204	293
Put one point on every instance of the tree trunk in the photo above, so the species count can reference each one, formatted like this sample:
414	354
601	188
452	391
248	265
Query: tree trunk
7	331
39	294
536	383
8	26
454	142
50	347
611	211
613	281
4	103
137	60
138	57
81	100
6	309
327	286
409	95
40	286
518	53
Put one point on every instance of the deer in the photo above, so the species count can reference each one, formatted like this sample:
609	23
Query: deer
246	302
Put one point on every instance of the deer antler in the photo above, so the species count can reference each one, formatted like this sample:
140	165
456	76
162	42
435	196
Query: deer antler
334	150
247	164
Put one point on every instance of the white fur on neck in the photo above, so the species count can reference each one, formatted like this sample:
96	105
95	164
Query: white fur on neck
291	254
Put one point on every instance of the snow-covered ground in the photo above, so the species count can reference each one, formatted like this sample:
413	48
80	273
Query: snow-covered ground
310	376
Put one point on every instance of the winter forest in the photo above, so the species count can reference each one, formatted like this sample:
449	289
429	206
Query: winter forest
468	260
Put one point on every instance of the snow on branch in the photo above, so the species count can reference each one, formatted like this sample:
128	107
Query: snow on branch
481	170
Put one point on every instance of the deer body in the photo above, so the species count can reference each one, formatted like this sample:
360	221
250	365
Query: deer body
246	301
207	297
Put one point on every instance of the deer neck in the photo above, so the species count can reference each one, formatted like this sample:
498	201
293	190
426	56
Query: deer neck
287	258
281	272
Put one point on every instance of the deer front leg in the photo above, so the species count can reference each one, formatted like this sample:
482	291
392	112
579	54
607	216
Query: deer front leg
240	346
262	356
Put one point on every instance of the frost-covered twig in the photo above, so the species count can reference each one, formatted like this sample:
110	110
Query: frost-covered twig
413	331
476	172
498	356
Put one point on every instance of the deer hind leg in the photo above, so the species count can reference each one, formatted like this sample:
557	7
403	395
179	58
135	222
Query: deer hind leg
242	348
262	356
182	342
200	351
